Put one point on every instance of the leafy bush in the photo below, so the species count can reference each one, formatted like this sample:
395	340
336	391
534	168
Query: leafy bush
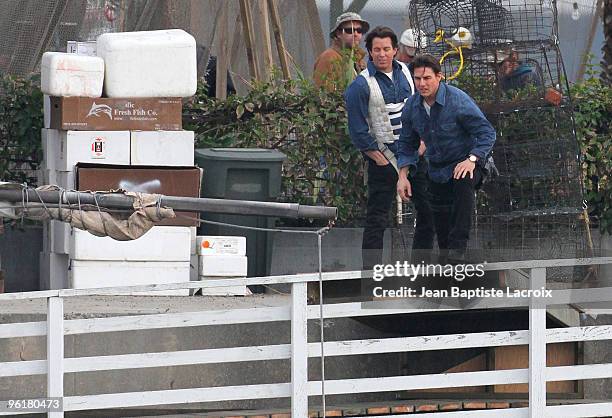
593	105
308	124
21	118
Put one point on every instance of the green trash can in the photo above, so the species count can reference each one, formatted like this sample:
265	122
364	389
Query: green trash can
243	174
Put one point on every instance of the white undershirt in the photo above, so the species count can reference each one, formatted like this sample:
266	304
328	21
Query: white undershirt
390	75
427	107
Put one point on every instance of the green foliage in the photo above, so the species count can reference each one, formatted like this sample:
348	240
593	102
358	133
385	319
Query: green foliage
21	118
593	105
306	123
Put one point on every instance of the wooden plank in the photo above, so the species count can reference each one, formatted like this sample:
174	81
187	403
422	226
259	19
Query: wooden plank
23	368
580	410
490	413
575	296
183	319
299	350
263	29
517	357
55	351
313	25
424	343
278	37
574	334
537	348
23	329
177	396
584	371
222	42
428	381
249	38
177	358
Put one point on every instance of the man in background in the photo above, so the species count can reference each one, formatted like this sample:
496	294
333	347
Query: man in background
339	64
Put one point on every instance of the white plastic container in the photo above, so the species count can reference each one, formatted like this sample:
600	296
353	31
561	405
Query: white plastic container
169	148
222	265
220	245
87	274
64	149
158	63
160	243
65	74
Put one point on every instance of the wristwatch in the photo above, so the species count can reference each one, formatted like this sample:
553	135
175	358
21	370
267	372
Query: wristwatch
472	158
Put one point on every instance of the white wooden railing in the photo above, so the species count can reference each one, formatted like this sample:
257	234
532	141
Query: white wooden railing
299	351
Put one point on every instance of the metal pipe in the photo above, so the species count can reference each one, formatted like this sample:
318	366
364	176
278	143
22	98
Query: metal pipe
192	204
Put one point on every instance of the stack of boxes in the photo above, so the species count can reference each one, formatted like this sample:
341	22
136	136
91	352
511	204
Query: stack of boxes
130	139
222	257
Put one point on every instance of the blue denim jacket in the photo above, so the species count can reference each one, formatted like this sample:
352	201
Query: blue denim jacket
357	97
455	129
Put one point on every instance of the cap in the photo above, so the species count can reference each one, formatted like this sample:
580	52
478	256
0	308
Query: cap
348	17
409	38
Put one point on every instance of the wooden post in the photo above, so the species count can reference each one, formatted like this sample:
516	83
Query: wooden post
299	350
278	36
314	26
249	38
537	348
264	20
55	350
221	80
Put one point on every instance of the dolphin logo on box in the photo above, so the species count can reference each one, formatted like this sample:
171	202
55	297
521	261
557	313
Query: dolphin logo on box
96	110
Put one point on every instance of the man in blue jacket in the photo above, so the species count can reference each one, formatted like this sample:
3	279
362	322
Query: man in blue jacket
374	103
458	138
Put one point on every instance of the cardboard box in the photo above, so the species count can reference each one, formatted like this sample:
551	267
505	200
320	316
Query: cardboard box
169	181
226	245
116	114
64	149
87	274
222	266
174	148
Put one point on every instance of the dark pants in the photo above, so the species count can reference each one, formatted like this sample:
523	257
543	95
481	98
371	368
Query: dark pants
424	228
453	204
382	189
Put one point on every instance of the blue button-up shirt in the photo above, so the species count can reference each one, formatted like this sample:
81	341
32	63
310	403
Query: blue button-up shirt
357	98
454	129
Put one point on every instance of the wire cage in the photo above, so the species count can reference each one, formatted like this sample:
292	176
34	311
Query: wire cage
498	84
490	22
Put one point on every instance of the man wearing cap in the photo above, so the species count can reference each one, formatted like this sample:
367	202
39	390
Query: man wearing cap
374	103
409	44
339	64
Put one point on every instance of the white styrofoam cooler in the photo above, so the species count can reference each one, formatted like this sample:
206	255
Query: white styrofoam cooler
159	63
228	245
169	148
222	265
64	149
65	74
160	243
87	274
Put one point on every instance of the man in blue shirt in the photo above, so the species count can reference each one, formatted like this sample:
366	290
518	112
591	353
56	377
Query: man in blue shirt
374	103
458	138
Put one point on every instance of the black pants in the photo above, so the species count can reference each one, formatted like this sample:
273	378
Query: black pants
424	228
453	204
382	189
